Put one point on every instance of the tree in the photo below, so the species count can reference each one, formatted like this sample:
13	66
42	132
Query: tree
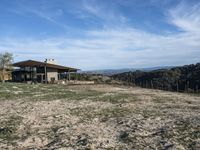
6	60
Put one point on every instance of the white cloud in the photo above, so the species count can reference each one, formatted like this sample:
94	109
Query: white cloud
186	17
107	13
115	48
118	47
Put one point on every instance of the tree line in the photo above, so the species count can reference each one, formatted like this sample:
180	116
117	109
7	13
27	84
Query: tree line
180	79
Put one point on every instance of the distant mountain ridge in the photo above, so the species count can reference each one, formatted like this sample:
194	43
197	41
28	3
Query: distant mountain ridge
110	72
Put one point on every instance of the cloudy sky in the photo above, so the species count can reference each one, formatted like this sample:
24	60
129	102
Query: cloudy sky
102	34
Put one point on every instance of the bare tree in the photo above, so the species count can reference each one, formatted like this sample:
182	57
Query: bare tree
6	60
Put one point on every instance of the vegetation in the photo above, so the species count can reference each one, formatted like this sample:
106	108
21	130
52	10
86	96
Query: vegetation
97	78
8	129
182	79
40	92
5	65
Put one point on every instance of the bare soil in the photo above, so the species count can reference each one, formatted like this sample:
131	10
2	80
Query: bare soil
100	117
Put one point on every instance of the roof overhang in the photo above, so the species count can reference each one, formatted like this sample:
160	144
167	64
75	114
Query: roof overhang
33	63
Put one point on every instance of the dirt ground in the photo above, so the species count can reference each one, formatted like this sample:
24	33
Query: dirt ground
103	117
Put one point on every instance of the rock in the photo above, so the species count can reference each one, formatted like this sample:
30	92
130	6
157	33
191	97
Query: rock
168	146
5	130
124	136
83	140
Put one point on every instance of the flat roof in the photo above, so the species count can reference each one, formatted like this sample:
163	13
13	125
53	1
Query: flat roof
33	63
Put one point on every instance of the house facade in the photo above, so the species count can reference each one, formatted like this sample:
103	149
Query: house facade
41	72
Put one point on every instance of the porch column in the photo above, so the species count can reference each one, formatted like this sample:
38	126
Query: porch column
45	72
58	76
31	73
69	78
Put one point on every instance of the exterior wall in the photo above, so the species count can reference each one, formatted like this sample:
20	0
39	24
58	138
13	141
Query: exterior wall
20	76
7	76
52	74
37	75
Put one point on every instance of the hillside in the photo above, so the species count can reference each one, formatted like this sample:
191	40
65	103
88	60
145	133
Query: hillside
100	117
109	72
183	79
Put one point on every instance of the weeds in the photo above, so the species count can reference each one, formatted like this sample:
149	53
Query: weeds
9	127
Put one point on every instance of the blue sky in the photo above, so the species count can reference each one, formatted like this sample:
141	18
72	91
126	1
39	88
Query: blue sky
102	34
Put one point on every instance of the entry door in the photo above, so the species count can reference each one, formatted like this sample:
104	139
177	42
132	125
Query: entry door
39	78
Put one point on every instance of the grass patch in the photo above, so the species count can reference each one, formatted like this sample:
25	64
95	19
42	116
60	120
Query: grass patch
88	114
188	130
116	98
162	99
8	129
13	91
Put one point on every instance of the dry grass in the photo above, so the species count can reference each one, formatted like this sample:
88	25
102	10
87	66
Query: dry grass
97	117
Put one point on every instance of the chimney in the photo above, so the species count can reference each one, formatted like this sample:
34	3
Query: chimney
50	61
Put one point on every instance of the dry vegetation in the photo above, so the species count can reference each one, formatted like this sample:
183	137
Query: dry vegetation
97	117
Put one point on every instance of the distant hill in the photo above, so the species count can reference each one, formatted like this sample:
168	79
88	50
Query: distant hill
110	72
185	78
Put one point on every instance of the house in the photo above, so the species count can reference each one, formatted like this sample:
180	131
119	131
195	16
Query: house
42	72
